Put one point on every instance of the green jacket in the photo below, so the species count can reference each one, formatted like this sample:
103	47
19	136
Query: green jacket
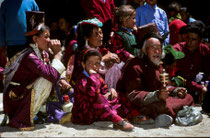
129	41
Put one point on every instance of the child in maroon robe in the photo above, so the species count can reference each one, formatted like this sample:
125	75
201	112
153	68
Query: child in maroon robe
93	100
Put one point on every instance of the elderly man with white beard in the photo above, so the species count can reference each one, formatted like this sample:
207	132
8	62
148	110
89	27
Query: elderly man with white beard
142	93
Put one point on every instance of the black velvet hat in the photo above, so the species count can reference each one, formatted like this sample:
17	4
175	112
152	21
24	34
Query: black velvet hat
34	19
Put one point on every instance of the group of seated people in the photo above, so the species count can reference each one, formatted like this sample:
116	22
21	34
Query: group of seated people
118	81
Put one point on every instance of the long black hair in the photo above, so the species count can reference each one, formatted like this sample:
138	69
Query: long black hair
84	31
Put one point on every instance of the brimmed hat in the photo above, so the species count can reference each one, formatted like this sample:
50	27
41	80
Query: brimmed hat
176	54
34	19
93	21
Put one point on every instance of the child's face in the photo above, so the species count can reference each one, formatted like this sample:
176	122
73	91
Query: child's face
92	63
131	21
185	16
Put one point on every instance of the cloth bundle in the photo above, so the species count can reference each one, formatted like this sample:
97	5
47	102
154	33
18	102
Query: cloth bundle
188	116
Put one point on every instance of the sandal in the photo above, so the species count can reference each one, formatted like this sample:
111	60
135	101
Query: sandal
123	125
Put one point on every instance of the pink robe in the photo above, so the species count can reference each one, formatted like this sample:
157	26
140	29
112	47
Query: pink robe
90	103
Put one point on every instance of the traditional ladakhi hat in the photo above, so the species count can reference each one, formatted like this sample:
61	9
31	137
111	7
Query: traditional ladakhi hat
106	26
93	21
82	26
34	21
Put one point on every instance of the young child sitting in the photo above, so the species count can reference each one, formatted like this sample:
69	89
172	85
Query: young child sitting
93	100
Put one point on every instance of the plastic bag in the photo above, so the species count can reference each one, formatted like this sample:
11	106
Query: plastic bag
188	116
199	77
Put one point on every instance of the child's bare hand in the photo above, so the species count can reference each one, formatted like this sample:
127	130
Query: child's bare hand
135	28
64	84
113	93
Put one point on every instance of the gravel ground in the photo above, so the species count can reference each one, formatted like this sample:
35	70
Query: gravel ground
104	129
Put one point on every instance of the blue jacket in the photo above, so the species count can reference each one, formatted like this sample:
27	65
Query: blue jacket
13	21
147	14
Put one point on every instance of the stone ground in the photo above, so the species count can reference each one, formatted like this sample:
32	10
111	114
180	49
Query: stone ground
104	129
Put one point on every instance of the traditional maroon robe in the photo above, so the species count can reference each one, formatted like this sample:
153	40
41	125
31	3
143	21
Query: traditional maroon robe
99	9
90	104
19	97
192	64
140	77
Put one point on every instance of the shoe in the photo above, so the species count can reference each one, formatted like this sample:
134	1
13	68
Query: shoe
163	120
39	120
123	125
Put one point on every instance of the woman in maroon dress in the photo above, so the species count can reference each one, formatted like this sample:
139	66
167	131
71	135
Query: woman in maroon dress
25	68
89	36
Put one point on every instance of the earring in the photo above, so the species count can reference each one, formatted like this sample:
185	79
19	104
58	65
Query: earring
36	45
86	42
